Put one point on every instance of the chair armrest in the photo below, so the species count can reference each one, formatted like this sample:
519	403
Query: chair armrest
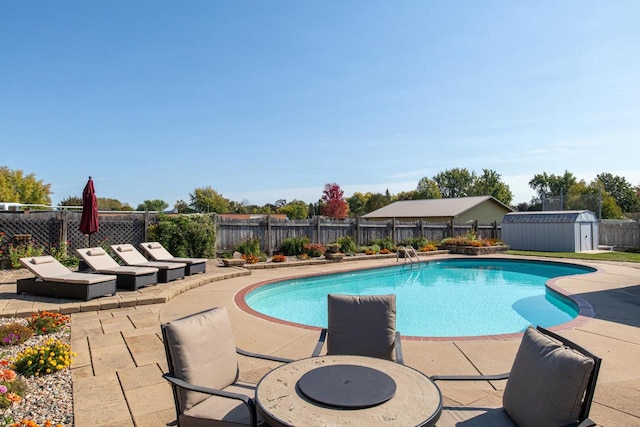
321	340
584	423
248	402
470	377
263	356
399	353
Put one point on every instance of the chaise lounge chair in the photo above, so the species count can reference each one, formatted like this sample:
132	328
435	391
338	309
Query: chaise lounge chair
362	325
129	277
203	371
167	271
55	280
551	383
158	253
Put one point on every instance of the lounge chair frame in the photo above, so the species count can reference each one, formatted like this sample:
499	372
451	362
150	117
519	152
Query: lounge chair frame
583	419
167	271
46	288
194	265
128	280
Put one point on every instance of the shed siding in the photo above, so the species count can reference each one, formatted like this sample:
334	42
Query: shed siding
540	237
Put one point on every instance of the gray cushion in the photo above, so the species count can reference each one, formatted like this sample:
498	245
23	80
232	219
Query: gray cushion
362	325
221	411
547	383
203	352
474	417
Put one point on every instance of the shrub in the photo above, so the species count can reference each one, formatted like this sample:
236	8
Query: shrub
59	252
191	235
385	251
250	259
347	244
428	247
23	250
12	389
46	322
278	258
294	245
250	246
416	242
314	250
372	250
52	356
14	333
386	243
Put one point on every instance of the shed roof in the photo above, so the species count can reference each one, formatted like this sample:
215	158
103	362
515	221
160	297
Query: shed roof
549	217
431	207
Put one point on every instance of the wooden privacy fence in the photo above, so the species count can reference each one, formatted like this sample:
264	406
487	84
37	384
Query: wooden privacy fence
49	228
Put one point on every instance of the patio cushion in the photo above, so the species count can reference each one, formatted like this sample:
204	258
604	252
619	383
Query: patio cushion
42	260
362	325
154	245
474	417
125	248
220	411
547	382
203	352
96	252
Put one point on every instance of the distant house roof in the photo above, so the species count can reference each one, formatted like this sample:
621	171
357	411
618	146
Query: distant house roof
432	207
549	217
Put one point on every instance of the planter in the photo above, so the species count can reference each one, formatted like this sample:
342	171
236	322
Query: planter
233	262
475	250
335	257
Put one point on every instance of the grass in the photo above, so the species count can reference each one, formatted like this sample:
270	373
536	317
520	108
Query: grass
602	256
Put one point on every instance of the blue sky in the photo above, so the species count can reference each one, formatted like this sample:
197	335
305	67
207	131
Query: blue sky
268	100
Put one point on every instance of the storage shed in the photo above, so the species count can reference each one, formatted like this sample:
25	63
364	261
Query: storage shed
551	231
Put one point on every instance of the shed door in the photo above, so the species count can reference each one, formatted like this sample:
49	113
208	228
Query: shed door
585	236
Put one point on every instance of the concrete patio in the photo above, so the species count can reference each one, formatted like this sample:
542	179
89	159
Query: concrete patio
117	373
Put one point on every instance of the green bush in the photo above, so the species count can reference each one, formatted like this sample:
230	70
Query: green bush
416	242
347	244
294	246
185	235
386	243
23	250
250	246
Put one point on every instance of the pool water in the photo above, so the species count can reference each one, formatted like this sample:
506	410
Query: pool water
440	298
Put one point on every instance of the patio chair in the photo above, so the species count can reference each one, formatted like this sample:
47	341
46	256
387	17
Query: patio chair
203	371
129	277
167	271
361	325
55	280
158	253
551	383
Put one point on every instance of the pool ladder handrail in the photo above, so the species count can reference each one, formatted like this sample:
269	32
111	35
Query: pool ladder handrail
409	253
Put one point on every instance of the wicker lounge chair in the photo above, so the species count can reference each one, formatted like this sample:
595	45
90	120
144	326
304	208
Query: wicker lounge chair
129	277
551	383
362	325
55	280
158	253
167	271
203	371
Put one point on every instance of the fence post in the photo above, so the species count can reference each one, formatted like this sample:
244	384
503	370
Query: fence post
146	226
357	239
421	225
269	246
64	228
317	236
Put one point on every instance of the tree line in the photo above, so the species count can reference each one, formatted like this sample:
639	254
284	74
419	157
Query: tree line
616	196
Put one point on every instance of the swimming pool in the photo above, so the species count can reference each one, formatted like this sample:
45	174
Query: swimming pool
456	297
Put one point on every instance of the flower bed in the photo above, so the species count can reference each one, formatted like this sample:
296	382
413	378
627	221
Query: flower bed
475	250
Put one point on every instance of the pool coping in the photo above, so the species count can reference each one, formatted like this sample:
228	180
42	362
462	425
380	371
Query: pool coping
585	310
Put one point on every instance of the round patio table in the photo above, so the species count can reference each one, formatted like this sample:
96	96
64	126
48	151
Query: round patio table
280	400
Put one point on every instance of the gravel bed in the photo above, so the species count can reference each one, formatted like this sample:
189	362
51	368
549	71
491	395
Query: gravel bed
48	397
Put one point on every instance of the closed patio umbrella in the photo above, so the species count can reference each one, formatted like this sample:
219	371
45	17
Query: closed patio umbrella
89	220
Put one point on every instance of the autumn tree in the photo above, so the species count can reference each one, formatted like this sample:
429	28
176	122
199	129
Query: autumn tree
206	199
333	204
155	205
17	187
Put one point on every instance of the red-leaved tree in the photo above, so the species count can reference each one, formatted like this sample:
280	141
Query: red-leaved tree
333	203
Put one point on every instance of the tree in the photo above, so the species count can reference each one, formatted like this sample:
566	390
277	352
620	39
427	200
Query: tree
409	195
333	204
71	201
107	204
621	190
205	200
552	185
18	188
376	201
490	184
357	203
182	207
454	182
427	189
153	205
296	209
582	196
